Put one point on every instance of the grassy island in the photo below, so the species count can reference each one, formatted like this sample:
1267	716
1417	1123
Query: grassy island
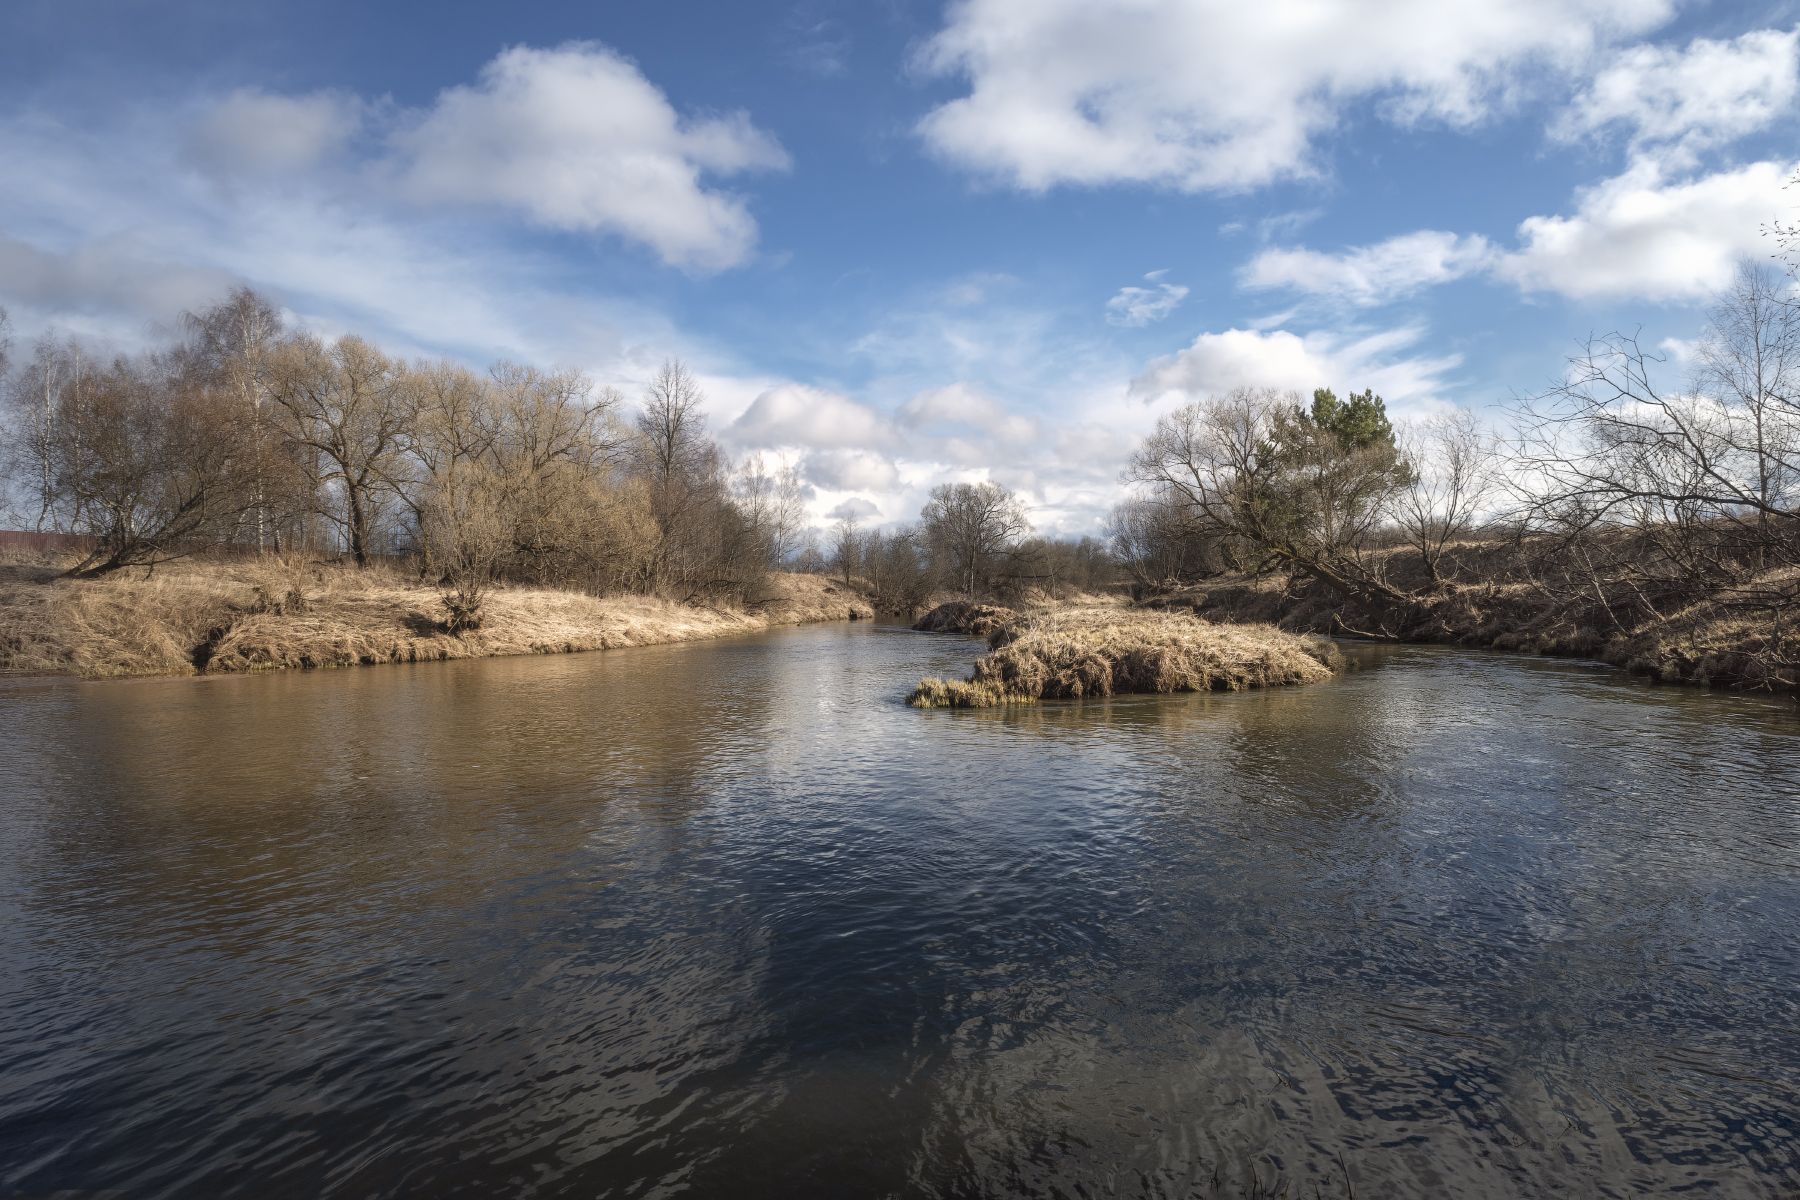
1103	650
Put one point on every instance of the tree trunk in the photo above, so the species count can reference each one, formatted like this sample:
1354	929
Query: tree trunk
359	532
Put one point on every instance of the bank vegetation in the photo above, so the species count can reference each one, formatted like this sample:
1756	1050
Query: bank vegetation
258	613
1640	511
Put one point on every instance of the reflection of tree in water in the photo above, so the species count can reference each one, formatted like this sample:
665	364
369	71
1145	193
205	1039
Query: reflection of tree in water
365	905
447	776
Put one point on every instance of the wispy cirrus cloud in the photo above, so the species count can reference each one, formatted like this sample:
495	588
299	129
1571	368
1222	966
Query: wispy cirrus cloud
1373	274
1136	306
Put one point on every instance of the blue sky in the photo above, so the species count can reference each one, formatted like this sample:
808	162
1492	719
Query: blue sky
906	242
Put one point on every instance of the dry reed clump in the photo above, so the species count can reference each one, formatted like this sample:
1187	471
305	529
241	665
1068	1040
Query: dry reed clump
1106	651
956	693
960	616
266	614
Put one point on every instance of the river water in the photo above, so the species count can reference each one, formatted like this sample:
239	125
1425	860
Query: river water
728	919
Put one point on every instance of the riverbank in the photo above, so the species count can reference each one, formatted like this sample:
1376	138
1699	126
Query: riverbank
1508	598
215	617
1105	650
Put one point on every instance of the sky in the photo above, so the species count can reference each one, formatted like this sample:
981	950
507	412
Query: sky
902	242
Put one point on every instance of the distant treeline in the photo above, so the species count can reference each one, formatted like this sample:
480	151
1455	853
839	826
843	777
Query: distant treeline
1642	484
246	434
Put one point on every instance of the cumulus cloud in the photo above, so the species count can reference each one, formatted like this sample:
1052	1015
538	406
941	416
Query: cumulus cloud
111	243
1217	362
1375	274
796	415
1684	99
962	406
253	132
1216	94
856	508
575	138
1135	307
850	470
1639	235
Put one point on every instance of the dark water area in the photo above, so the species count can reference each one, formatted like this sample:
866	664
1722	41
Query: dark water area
727	919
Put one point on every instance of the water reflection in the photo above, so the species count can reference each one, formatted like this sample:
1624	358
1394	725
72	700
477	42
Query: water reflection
729	919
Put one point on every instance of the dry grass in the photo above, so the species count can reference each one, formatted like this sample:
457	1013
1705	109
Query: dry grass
1103	651
960	616
265	614
1737	639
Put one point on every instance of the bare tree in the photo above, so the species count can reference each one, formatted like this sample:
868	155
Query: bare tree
448	427
1748	363
159	470
1160	541
43	398
708	544
232	344
973	525
553	444
673	445
898	569
1454	462
1707	476
846	543
774	501
343	407
680	465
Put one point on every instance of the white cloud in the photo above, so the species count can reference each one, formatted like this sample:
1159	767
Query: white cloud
856	508
1217	94
1684	99
960	405
577	139
111	243
850	471
255	132
795	415
1136	307
1218	362
1639	236
1375	274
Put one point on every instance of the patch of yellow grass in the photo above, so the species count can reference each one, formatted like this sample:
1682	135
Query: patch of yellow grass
1103	651
266	614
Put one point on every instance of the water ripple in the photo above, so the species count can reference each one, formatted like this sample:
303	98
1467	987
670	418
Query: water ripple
730	919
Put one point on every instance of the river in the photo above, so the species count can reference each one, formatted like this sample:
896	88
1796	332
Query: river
728	919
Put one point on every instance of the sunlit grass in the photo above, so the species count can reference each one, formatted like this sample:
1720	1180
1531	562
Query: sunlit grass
258	614
1105	651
